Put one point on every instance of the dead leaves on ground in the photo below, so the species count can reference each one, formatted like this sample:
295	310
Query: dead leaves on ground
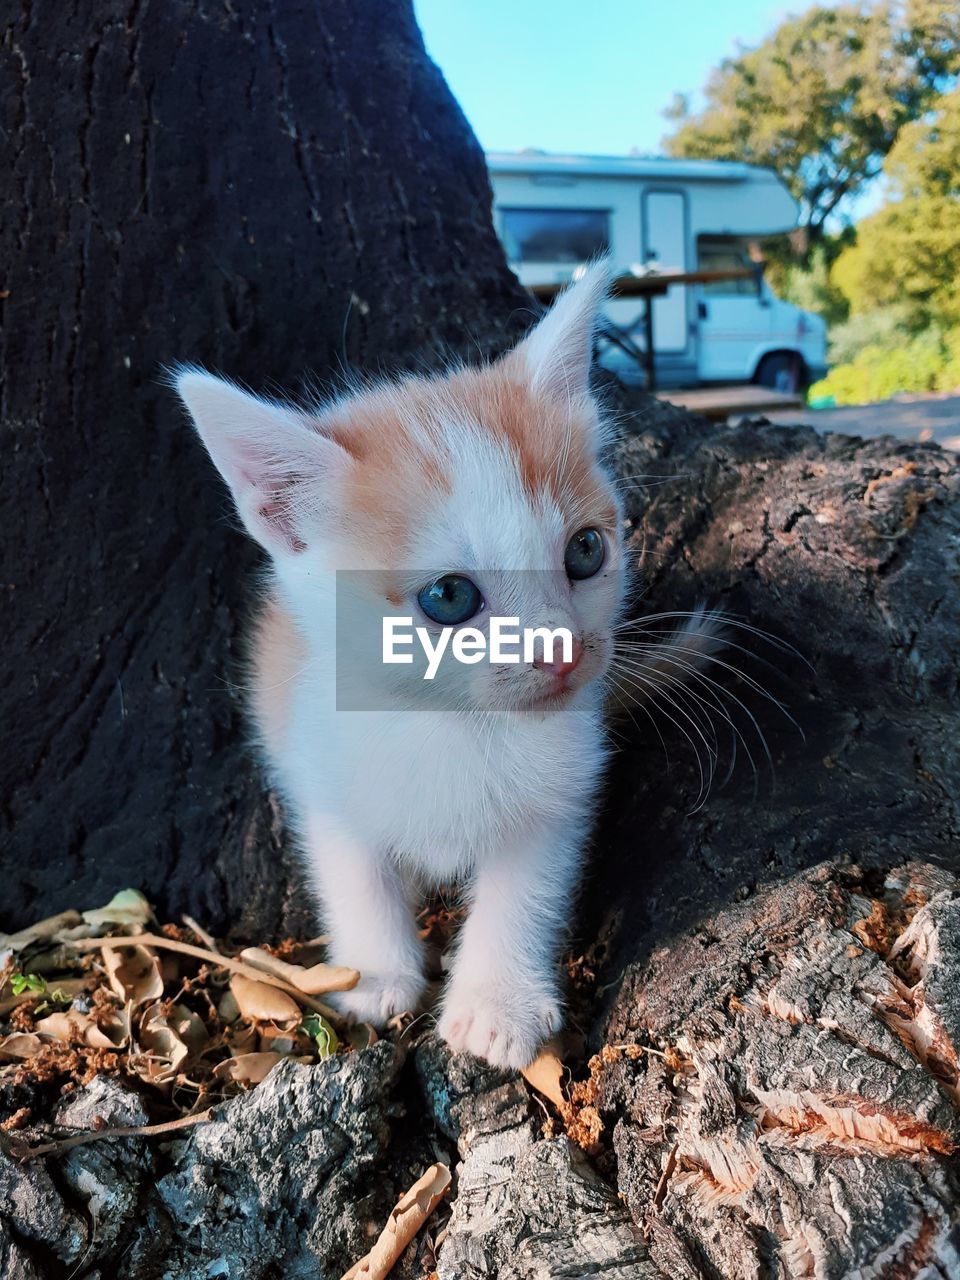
407	1217
93	991
108	990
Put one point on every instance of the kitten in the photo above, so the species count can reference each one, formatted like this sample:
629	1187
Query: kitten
481	490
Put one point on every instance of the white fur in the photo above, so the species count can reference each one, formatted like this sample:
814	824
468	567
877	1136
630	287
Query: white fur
497	794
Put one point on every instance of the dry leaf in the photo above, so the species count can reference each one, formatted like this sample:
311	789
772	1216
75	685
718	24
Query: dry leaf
544	1074
262	1002
42	931
361	1035
58	959
134	974
242	1039
411	1212
247	1068
71	933
74	1028
128	907
190	1027
315	981
20	1045
227	1008
280	1040
165	1052
162	943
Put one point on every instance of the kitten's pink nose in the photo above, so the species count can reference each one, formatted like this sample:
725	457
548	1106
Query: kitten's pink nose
560	668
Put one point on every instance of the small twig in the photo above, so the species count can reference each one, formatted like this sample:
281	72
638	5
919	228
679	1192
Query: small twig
201	933
201	953
640	1048
22	1151
14	1002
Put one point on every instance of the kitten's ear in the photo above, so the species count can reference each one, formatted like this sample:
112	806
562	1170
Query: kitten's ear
558	351
274	463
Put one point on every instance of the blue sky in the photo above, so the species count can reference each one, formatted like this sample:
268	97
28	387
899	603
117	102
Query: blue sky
583	75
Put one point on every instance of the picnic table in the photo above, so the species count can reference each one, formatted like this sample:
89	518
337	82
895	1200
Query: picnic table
647	286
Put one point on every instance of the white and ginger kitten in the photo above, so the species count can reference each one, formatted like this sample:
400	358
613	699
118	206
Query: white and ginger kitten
445	490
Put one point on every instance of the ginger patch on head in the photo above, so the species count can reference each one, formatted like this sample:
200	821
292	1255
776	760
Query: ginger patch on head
404	460
554	444
399	463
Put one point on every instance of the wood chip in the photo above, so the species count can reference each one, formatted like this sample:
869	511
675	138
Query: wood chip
410	1213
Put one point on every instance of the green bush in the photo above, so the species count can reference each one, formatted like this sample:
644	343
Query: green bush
891	364
810	287
886	327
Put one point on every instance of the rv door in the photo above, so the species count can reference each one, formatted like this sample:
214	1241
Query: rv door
664	245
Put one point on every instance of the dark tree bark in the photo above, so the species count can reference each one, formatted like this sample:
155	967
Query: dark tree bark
273	190
847	551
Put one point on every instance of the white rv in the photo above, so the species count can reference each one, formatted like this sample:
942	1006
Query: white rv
554	212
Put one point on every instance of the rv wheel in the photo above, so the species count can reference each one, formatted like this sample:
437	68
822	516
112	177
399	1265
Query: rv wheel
782	371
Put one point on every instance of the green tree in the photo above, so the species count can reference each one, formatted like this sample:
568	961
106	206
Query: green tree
823	99
810	284
907	254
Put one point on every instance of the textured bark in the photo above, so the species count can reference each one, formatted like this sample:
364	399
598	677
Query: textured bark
275	189
847	550
800	1114
525	1208
778	1099
291	1181
779	1095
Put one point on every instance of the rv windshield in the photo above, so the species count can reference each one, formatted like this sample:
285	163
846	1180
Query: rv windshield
554	235
724	254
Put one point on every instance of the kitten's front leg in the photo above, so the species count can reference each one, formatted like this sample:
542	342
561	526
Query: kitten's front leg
503	1000
368	911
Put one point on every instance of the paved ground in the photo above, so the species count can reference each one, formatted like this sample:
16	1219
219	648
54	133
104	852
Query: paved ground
909	417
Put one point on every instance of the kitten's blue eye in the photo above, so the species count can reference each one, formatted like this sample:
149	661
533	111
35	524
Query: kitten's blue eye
584	554
450	600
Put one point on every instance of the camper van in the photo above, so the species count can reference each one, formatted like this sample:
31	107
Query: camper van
555	212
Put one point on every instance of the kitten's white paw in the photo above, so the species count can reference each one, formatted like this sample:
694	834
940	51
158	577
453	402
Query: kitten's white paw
378	997
504	1024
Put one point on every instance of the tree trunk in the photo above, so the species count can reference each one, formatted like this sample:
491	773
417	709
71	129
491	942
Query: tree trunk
776	1084
277	191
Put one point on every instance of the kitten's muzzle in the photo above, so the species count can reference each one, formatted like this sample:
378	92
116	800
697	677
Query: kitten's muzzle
560	668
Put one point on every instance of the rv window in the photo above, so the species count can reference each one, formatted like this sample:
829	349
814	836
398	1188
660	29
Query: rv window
554	235
724	255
